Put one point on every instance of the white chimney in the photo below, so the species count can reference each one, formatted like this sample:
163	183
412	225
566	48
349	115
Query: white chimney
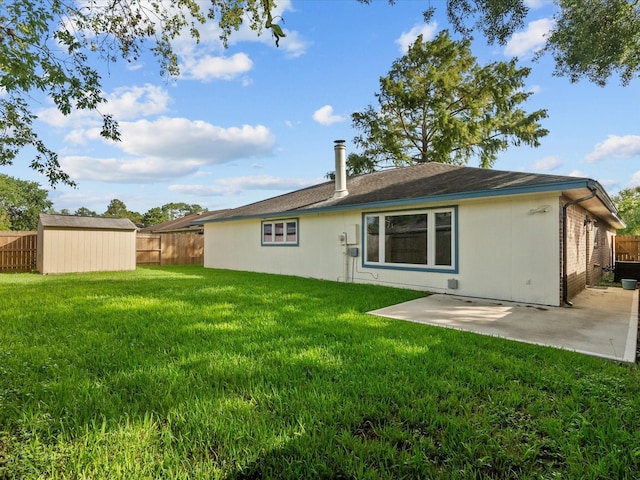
341	169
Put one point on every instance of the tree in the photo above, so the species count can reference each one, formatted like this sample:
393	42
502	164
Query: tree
628	203
21	202
48	47
154	216
5	221
180	209
437	104
118	209
85	212
592	39
169	211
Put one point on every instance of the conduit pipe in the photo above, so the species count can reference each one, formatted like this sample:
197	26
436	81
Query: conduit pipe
565	280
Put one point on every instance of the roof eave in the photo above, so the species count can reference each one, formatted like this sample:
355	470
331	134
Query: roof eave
520	190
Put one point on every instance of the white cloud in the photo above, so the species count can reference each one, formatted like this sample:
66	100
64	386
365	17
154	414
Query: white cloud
535	4
609	184
324	116
547	163
134	102
237	185
206	68
197	59
532	39
428	31
127	170
194	139
123	103
635	180
167	148
615	146
535	89
577	173
293	44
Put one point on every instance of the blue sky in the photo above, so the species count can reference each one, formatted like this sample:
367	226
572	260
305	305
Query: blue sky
254	121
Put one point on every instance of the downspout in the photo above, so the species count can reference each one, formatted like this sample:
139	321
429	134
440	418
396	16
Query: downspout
565	280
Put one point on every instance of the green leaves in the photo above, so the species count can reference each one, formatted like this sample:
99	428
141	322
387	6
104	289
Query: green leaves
48	49
437	104
594	39
20	203
628	203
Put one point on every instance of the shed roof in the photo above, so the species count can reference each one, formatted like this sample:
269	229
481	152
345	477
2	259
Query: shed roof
90	223
419	183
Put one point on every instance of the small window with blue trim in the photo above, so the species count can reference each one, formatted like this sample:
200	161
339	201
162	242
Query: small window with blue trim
280	232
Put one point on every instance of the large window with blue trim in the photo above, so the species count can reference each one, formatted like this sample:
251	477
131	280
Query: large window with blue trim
423	239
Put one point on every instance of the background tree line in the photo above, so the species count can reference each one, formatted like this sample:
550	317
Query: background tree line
22	201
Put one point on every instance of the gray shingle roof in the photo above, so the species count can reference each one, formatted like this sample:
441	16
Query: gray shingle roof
92	223
424	181
182	224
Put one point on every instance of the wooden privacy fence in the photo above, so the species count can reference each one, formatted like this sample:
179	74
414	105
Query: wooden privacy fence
627	248
18	251
170	249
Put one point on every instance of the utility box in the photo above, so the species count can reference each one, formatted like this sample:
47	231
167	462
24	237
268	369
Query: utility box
452	284
352	235
354	251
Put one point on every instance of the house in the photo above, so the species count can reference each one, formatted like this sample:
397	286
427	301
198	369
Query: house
503	235
69	243
180	225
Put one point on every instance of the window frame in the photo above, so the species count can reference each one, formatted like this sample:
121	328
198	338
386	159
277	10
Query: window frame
274	242
430	266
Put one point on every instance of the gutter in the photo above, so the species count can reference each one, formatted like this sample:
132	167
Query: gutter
565	280
399	202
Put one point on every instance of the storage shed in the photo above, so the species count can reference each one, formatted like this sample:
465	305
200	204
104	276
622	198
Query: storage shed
68	244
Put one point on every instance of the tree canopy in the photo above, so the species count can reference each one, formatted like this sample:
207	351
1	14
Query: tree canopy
169	211
628	203
21	202
437	104
54	49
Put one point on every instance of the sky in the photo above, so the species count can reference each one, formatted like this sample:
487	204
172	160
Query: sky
254	120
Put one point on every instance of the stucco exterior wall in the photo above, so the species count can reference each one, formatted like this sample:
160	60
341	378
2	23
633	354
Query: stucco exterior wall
503	250
513	254
80	250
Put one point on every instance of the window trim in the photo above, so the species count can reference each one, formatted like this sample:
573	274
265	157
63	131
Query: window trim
430	267
284	242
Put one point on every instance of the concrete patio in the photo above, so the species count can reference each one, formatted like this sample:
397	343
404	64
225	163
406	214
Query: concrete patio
602	322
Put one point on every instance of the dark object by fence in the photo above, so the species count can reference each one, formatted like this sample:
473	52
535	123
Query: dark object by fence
630	270
627	248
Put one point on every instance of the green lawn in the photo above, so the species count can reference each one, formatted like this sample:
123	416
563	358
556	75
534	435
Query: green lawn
190	373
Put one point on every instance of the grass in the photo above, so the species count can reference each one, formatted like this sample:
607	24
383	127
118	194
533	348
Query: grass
190	373
607	281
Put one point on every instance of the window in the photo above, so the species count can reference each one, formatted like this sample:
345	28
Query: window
419	239
280	232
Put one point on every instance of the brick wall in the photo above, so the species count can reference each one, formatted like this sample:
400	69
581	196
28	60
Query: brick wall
589	248
576	250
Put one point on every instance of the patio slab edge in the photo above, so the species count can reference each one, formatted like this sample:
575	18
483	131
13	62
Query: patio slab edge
632	335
